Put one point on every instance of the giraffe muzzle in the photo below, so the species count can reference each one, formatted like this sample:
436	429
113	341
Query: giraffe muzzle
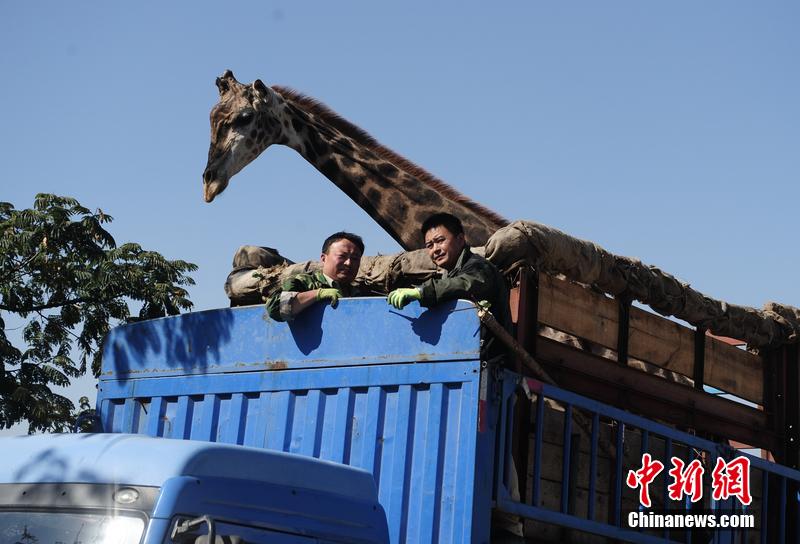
213	184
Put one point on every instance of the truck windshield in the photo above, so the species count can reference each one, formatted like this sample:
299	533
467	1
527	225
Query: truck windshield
69	527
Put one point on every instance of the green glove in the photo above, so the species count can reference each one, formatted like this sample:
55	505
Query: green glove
329	294
400	297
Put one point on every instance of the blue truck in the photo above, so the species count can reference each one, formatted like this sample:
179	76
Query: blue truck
132	489
355	424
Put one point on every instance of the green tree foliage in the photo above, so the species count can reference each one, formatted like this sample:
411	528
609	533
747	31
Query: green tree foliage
63	284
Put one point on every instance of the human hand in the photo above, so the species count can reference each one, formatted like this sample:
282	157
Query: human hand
400	297
330	294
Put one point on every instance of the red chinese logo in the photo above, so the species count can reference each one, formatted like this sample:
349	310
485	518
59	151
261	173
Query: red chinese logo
732	479
686	480
644	477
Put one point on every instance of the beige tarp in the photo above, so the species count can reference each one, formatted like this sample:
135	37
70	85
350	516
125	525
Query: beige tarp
257	271
551	250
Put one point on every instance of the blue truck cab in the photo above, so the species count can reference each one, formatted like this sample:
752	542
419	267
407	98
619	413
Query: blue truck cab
131	489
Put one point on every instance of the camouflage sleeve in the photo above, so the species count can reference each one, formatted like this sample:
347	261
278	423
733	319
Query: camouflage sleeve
474	282
279	302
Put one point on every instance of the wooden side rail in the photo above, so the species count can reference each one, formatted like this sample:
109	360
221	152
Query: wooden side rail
571	308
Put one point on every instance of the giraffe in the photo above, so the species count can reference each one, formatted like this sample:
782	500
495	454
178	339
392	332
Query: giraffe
396	193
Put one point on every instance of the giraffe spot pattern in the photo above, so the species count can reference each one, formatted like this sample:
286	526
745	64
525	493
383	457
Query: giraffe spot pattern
320	146
346	161
387	169
383	182
329	169
396	204
421	216
344	144
374	196
309	153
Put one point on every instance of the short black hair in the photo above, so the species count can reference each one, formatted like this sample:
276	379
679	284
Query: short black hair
450	222
342	235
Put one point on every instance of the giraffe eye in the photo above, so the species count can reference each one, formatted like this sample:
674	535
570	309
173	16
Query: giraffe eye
242	119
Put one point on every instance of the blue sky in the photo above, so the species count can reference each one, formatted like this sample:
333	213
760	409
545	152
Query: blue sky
666	131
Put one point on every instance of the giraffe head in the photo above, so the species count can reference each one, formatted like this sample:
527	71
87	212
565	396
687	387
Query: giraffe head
243	124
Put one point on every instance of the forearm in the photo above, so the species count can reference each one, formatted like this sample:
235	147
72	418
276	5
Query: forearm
303	300
440	290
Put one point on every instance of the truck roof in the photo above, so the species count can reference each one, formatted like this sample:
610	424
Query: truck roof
130	459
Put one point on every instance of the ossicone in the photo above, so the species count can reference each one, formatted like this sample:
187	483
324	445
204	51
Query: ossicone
224	81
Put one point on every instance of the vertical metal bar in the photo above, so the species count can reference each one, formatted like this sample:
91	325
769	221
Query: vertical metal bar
699	357
792	424
764	506
506	407
688	508
527	332
796	516
574	461
774	405
623	332
719	505
792	405
593	465
665	490
618	474
154	417
645	434
183	417
537	450
782	525
567	457
687	501
528	312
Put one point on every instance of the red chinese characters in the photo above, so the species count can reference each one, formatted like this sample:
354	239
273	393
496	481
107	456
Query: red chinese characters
728	479
686	480
732	479
644	477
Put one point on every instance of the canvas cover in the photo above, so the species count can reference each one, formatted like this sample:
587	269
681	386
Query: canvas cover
258	271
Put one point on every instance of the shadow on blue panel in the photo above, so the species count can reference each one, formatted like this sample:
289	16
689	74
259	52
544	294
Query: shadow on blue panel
306	328
189	341
428	325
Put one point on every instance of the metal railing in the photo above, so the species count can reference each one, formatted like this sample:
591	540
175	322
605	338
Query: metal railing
588	491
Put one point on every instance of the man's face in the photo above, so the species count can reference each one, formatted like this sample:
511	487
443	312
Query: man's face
444	247
341	261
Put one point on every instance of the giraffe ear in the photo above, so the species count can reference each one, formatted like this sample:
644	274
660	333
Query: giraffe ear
261	91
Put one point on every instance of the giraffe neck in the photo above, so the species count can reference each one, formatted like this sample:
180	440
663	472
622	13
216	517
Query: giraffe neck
398	195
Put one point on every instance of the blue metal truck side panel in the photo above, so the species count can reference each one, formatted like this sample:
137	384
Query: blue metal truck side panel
403	405
240	339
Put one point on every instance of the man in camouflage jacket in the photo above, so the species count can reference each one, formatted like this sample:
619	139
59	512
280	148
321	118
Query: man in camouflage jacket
468	276
340	258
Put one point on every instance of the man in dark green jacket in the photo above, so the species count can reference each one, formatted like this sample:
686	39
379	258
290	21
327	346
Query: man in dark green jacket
468	276
340	258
